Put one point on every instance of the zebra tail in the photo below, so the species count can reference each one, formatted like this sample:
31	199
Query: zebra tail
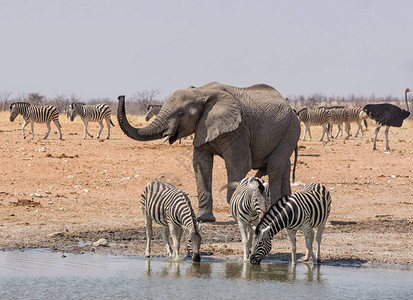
365	122
112	123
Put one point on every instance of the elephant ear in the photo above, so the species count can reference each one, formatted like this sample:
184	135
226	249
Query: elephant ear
221	113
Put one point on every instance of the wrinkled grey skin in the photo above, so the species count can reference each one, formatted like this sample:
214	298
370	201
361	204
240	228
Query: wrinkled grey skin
250	128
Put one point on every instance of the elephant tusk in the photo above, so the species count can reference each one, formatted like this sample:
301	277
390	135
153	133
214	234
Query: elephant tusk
166	138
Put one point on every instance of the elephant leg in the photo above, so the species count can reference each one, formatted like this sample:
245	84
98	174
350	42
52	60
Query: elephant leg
279	168
261	172
285	184
203	163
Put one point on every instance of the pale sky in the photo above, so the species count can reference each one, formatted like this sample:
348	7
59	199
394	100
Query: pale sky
106	48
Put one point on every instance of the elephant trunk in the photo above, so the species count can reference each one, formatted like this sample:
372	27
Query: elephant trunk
153	131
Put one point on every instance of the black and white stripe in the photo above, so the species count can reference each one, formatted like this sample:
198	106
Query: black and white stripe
315	117
304	210
339	115
91	113
171	208
249	200
357	114
38	114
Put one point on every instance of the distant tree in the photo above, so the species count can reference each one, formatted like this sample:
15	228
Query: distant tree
141	100
36	99
5	100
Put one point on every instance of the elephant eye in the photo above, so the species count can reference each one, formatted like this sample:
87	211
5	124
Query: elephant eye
181	114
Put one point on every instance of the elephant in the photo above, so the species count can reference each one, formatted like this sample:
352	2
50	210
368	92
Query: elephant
250	128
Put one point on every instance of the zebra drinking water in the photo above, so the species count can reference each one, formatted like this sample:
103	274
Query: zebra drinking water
171	208
250	198
91	113
312	117
304	210
38	114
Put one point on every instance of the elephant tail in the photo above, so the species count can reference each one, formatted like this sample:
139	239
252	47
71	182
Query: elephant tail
295	161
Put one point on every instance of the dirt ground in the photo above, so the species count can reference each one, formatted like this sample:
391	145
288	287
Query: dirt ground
66	195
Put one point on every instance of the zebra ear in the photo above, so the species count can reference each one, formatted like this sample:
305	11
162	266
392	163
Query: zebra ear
266	229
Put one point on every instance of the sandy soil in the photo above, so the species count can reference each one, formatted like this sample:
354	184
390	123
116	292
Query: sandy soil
66	195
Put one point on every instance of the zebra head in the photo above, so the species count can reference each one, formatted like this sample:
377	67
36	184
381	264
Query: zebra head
260	194
261	245
71	113
13	112
194	244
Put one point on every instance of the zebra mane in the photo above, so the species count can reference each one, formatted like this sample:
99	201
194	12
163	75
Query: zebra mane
305	108
263	221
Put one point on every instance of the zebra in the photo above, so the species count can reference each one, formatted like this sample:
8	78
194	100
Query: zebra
356	114
91	113
339	115
315	117
38	114
152	110
171	208
306	209
250	198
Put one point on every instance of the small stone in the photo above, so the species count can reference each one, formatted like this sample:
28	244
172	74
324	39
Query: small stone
12	215
101	242
56	234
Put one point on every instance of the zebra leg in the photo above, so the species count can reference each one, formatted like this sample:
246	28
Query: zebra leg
85	122
57	123
250	238
309	239
176	233
108	125
165	237
292	235
358	129
100	128
347	128
339	130
48	130
32	125
148	225
376	132
325	131
386	134
244	238
318	237
24	125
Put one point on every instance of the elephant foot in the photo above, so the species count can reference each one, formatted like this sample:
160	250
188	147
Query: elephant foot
205	217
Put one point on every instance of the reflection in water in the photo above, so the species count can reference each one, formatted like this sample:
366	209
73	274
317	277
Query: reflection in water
172	269
274	272
236	270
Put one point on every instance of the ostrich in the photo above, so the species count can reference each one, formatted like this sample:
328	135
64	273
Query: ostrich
387	115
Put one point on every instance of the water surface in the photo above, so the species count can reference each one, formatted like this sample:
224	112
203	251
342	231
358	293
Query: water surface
45	275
